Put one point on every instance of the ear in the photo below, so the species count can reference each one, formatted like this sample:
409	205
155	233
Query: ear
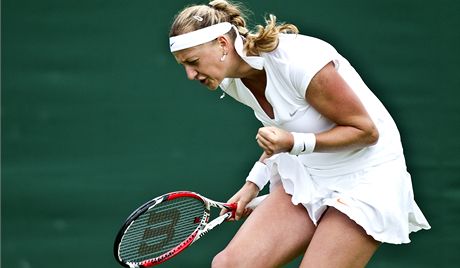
224	41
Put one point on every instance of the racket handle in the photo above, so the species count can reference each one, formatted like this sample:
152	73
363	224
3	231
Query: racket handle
255	202
232	212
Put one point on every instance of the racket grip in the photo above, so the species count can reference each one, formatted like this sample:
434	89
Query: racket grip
233	207
256	201
251	205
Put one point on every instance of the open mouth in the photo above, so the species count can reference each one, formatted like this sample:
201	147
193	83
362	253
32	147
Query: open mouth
203	81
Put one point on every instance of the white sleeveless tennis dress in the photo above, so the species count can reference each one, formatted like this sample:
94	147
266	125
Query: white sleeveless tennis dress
370	185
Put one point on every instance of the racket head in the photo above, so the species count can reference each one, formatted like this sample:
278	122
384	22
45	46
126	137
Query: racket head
160	229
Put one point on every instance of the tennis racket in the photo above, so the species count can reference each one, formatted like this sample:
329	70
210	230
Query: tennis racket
165	226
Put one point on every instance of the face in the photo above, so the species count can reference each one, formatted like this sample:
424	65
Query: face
202	63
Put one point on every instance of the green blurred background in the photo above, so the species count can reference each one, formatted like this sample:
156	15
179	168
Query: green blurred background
97	118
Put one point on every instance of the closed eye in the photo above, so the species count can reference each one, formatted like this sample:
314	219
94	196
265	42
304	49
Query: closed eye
192	62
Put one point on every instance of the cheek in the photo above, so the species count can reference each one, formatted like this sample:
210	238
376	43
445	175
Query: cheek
217	70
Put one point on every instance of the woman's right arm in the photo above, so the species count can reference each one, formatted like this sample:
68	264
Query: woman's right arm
246	194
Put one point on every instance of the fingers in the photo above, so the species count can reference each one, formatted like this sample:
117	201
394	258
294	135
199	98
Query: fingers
223	211
265	139
268	134
242	198
245	213
274	140
233	200
265	145
241	210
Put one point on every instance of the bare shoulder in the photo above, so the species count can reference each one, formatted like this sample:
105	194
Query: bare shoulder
326	78
331	95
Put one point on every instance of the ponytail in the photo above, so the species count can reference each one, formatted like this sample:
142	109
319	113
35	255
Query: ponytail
266	38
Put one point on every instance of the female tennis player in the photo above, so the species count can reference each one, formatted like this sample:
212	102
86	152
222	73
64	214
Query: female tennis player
332	153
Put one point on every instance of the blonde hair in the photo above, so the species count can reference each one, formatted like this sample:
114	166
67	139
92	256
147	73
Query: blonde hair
265	39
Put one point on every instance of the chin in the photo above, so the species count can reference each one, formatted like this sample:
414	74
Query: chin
213	85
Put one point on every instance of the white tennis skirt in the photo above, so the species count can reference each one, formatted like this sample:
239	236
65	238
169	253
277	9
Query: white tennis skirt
378	198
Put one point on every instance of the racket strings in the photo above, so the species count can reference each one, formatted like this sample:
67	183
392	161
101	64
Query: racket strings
160	229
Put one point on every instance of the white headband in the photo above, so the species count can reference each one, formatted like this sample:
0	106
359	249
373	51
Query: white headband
210	33
198	37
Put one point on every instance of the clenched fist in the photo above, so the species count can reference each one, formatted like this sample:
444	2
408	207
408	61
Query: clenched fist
274	140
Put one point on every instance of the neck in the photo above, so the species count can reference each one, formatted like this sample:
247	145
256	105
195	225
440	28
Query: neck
244	71
255	80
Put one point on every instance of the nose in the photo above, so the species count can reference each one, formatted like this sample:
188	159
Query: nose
191	73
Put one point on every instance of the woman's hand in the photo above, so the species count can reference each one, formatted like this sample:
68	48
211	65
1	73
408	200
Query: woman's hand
274	140
245	195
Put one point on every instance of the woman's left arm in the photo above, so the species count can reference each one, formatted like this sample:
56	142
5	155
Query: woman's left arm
332	97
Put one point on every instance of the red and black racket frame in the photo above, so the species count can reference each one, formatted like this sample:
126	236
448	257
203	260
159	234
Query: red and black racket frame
187	242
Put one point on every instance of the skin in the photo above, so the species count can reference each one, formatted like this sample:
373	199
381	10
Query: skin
336	241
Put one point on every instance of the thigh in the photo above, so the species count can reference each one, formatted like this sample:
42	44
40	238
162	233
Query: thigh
339	242
275	233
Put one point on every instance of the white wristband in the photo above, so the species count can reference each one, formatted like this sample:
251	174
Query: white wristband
304	143
259	175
